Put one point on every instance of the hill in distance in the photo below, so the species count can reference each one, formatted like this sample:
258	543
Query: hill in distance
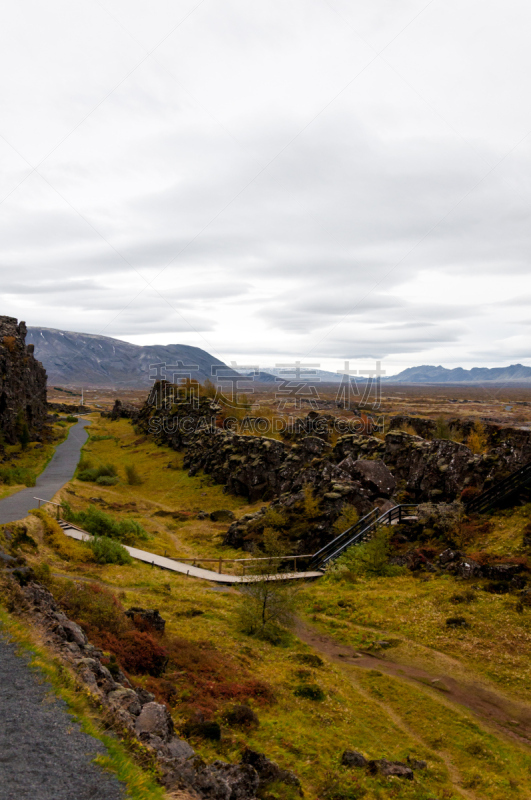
85	359
514	374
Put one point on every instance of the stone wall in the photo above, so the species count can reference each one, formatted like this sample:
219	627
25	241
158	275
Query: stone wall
22	383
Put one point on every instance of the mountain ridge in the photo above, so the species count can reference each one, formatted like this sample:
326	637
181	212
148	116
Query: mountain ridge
87	359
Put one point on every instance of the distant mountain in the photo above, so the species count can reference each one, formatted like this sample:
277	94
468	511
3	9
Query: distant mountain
307	374
515	374
85	359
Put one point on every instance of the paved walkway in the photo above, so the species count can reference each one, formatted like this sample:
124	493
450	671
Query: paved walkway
58	472
187	569
44	755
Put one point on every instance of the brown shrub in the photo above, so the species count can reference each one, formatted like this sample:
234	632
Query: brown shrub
469	493
137	651
93	607
9	343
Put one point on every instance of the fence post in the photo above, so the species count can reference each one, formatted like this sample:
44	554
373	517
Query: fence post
220	562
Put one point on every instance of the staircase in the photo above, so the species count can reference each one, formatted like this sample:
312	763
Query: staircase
361	532
505	490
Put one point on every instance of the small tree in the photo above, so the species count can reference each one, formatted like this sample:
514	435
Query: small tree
477	439
311	503
268	605
133	478
349	516
370	559
24	436
442	430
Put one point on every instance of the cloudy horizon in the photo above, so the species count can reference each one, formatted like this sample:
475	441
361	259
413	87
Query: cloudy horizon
321	181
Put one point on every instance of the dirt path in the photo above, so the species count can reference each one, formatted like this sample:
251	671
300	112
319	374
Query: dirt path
513	719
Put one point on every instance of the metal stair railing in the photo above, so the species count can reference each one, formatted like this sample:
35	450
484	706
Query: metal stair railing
359	532
502	490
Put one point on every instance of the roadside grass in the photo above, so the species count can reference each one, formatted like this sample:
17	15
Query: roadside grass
413	613
140	783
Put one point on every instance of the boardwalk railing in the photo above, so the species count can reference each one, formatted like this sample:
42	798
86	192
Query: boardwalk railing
40	499
501	491
245	563
360	532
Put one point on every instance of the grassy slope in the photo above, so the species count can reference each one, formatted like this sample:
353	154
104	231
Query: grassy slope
377	714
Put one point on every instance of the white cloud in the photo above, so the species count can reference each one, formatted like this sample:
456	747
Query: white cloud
265	183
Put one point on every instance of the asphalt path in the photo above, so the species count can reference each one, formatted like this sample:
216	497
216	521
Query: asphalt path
44	754
58	472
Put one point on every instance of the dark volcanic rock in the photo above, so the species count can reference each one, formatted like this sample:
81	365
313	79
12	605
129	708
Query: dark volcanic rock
351	758
268	771
374	475
122	411
146	618
22	383
391	769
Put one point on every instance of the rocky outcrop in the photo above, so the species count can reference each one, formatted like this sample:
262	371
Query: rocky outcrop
364	471
22	384
122	411
174	421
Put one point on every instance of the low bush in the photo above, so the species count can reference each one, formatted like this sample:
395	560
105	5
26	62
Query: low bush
370	559
99	523
241	716
93	607
92	474
17	476
310	659
457	622
71	418
465	597
106	480
137	651
108	551
309	692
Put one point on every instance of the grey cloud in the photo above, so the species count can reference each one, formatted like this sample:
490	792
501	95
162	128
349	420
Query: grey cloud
260	210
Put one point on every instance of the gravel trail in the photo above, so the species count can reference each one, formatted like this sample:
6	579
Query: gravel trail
44	755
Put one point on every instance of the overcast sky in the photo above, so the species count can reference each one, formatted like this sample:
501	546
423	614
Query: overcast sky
314	179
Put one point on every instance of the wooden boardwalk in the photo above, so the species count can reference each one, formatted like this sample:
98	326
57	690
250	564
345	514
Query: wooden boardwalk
186	569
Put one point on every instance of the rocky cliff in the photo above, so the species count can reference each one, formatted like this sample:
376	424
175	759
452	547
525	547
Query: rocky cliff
22	383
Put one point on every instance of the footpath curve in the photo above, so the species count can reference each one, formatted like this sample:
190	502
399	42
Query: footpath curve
191	571
58	472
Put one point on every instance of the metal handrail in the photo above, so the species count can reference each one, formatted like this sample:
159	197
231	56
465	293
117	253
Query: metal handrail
339	545
501	490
